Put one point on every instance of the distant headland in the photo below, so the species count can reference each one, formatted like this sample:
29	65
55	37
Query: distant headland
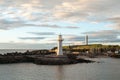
63	54
71	55
46	57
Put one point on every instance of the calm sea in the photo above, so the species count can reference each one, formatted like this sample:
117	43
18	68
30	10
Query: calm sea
107	69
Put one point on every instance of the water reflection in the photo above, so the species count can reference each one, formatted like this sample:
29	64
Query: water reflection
59	73
108	70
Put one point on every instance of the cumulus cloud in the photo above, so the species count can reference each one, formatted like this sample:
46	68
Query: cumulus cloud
18	13
24	11
87	10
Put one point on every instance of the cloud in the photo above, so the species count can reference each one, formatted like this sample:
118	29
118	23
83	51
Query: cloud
115	40
72	27
26	46
49	25
88	10
47	13
6	24
116	22
104	36
39	38
18	13
31	38
73	38
42	33
9	24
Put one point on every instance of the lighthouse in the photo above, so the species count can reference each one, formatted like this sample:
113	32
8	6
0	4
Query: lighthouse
86	39
59	51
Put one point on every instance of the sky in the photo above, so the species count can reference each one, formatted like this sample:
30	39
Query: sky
36	24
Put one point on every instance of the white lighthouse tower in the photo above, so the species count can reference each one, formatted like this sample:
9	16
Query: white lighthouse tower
86	39
59	51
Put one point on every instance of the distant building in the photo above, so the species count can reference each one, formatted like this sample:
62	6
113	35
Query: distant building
86	40
116	52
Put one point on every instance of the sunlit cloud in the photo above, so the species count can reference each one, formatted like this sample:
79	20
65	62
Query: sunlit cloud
51	17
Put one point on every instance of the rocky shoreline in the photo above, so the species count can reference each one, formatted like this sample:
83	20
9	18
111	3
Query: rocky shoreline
45	57
60	61
37	58
41	60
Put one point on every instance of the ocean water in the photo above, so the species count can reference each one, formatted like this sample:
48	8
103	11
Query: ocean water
107	69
